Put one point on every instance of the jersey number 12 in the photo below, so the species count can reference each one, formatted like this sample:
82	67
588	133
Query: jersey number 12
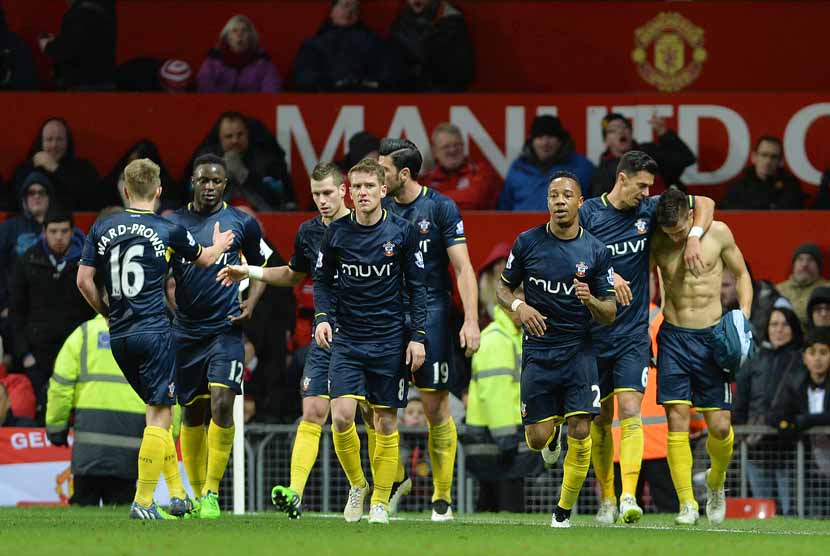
121	271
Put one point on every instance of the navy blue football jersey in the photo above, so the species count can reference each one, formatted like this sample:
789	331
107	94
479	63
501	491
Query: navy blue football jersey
438	226
375	265
133	250
547	266
627	236
307	245
203	305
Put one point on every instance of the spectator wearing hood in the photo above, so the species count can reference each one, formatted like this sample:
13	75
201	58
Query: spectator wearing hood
549	149
17	65
83	53
807	266
345	55
673	156
765	184
472	185
74	179
436	47
19	233
237	64
818	308
44	279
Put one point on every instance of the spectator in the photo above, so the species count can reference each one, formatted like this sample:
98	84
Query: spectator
494	438
43	280
807	266
84	52
413	414
472	185
361	145
17	65
818	308
765	184
673	156
21	400
758	381
257	172
489	275
764	298
436	47
173	195
237	64
803	402
549	149
822	201
109	417
7	415
345	55
74	179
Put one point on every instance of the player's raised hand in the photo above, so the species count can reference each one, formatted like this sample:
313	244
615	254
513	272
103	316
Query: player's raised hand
322	335
532	319
692	256
470	338
582	291
415	355
232	273
246	311
224	239
622	291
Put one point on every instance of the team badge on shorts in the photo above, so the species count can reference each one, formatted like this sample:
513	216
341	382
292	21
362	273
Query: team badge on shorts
306	383
423	226
389	249
580	269
171	390
524	410
642	226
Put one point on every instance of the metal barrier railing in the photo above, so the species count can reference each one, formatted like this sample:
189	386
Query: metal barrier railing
795	472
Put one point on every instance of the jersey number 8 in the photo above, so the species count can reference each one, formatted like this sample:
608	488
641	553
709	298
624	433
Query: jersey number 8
121	271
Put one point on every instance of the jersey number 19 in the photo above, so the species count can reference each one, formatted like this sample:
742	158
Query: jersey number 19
121	271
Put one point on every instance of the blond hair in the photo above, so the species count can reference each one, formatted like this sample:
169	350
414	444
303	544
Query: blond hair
249	25
369	166
142	177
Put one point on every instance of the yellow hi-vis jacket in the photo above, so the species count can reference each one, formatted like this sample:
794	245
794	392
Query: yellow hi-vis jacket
109	415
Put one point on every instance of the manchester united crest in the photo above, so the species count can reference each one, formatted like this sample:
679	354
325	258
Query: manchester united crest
668	51
580	269
641	225
389	249
423	226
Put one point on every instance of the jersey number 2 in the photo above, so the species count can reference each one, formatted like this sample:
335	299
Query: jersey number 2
122	270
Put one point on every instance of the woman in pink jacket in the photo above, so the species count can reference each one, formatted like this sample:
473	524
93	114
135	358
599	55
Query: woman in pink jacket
238	64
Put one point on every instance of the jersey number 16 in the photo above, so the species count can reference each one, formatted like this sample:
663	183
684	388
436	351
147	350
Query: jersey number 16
122	271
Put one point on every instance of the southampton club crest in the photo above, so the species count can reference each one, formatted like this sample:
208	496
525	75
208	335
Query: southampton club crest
524	409
642	226
306	383
668	51
389	249
423	226
580	269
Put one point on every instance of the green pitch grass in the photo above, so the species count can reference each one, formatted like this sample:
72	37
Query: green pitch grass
89	532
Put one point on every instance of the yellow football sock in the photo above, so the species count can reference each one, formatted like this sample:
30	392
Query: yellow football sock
442	443
575	470
386	465
720	453
370	448
220	442
632	442
150	463
400	473
194	455
304	454
347	448
602	456
680	466
172	475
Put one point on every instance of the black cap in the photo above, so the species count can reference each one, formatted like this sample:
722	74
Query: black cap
820	294
820	335
810	249
546	125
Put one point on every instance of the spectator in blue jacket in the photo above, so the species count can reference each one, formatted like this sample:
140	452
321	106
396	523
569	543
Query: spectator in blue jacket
549	149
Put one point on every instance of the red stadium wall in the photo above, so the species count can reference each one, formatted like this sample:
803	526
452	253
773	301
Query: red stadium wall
521	46
721	128
767	240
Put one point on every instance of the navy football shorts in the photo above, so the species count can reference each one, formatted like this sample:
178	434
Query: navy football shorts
686	369
557	383
149	365
623	364
208	360
316	371
369	371
438	370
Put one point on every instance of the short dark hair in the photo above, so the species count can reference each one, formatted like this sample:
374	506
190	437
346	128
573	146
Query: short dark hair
634	162
404	154
672	207
565	174
326	169
232	115
818	335
56	215
769	139
369	166
210	158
